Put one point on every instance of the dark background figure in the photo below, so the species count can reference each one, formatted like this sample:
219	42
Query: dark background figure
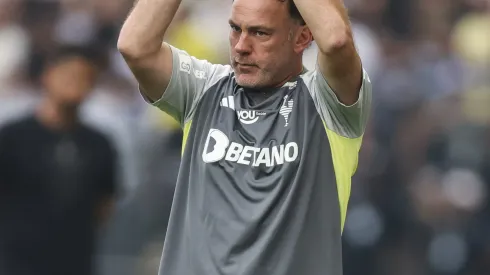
57	175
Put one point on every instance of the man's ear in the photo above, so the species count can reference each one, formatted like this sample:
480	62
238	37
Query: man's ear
303	39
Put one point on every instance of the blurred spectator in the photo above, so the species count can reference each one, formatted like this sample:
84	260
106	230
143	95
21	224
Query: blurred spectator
57	176
14	41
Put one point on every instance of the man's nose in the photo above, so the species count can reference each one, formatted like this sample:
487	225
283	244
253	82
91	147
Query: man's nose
243	46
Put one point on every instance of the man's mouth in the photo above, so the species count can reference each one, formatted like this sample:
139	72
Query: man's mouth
245	64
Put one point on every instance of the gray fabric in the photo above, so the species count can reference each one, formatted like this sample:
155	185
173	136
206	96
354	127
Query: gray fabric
191	78
256	192
347	121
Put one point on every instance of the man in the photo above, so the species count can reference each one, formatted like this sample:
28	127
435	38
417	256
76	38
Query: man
56	176
269	149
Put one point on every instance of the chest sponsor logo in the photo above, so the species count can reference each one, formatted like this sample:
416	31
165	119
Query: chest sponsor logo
245	116
249	116
218	147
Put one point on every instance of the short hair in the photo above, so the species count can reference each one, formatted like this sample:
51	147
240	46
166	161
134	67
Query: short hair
91	54
294	12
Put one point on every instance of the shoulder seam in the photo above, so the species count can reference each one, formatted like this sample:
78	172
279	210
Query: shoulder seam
206	89
319	110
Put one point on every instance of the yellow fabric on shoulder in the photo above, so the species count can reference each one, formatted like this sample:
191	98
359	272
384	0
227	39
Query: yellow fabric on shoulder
187	128
163	120
345	157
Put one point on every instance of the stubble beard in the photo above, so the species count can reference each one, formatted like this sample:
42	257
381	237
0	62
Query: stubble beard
260	79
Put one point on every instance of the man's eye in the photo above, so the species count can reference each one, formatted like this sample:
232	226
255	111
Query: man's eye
235	28
259	33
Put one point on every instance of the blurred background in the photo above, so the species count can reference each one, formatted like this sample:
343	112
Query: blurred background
420	199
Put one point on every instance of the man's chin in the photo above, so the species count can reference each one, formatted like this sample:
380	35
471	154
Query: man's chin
247	81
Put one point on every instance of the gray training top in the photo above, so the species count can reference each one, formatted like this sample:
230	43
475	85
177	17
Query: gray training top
263	186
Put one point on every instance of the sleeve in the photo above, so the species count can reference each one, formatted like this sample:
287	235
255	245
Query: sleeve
191	78
347	121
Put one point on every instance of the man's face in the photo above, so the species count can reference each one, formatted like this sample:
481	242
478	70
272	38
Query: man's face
262	40
70	81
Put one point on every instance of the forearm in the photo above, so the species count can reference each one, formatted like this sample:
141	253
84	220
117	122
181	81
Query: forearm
328	22
142	33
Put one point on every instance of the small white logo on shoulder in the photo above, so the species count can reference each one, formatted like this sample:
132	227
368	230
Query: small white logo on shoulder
186	67
286	109
185	63
200	74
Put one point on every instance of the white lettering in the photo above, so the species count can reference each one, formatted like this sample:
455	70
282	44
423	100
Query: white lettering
263	158
246	155
247	116
200	74
294	147
277	155
185	63
256	151
219	149
234	152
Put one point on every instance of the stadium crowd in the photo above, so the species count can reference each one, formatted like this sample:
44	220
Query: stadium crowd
420	198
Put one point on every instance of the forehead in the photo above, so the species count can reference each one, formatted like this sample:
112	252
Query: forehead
259	12
74	62
70	64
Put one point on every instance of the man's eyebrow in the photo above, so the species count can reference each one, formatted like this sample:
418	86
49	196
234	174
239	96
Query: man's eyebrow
232	23
259	28
252	28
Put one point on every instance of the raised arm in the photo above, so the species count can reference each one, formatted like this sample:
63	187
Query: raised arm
141	44
338	59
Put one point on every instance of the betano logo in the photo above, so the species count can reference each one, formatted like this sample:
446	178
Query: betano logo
246	155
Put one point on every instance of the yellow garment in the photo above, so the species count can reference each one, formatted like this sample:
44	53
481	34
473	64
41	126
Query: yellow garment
471	38
345	157
189	39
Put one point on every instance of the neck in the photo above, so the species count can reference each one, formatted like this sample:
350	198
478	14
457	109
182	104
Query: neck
56	116
297	71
